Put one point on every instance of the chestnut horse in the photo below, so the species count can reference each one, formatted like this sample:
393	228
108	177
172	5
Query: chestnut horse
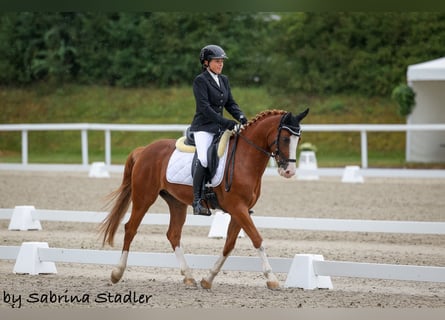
273	133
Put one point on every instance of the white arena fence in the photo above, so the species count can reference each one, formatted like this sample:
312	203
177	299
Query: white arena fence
307	271
363	129
219	221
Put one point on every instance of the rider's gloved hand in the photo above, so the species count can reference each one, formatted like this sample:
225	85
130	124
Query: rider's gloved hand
230	124
243	120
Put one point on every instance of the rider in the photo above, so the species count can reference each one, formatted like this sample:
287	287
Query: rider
212	94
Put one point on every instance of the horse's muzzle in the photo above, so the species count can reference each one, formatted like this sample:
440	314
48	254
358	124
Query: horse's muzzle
287	172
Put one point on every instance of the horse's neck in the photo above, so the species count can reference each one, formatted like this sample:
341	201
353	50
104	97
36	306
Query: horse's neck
258	136
261	132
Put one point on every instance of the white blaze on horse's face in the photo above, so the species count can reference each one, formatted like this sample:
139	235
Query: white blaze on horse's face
291	166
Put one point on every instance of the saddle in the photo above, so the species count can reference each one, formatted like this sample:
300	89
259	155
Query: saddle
216	150
214	153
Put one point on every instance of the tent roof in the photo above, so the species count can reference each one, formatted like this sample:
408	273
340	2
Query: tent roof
430	70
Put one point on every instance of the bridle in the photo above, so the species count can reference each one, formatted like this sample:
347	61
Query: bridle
277	154
293	130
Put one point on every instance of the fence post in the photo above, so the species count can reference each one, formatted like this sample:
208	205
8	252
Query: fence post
28	261
22	219
84	134
302	274
107	147
364	146
24	147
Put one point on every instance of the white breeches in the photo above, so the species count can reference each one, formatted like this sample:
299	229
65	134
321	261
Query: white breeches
203	141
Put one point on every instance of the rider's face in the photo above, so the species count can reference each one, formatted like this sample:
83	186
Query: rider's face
216	65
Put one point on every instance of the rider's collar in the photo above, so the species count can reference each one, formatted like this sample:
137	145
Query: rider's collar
214	75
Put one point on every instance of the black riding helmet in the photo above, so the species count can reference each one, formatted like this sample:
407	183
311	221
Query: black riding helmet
210	52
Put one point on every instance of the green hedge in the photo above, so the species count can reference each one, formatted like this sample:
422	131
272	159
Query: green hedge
320	53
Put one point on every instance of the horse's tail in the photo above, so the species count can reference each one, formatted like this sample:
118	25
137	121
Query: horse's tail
121	198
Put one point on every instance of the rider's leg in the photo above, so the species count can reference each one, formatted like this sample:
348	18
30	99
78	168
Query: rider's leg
202	141
198	179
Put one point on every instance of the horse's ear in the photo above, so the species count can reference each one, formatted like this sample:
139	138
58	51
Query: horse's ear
302	115
287	116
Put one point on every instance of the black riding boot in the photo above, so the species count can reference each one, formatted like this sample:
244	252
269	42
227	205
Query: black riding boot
198	180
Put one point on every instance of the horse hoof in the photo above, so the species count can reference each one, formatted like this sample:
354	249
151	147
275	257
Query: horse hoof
206	284
114	280
115	276
190	282
273	285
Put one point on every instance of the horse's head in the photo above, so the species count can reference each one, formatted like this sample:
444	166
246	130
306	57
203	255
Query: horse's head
286	143
276	135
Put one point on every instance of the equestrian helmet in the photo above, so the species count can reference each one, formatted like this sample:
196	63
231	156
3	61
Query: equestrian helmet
210	52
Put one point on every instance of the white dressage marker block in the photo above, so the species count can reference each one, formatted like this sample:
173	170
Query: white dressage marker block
307	165
302	275
220	225
22	220
351	174
28	261
98	170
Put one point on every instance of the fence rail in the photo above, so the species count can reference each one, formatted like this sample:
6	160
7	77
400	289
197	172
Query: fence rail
261	222
303	271
363	129
293	267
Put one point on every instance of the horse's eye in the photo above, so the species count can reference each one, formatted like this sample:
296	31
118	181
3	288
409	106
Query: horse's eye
286	139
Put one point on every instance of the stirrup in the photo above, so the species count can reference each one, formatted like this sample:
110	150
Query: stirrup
199	209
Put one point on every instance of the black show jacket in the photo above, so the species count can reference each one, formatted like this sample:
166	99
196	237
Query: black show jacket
210	101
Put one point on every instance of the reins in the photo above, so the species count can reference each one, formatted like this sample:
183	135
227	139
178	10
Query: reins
228	178
267	153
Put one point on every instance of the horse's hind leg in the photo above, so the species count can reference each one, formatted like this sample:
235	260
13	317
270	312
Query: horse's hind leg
137	213
178	213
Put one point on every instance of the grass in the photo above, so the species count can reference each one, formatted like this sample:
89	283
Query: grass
175	105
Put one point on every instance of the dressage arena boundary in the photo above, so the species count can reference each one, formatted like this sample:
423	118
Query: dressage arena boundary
306	271
28	218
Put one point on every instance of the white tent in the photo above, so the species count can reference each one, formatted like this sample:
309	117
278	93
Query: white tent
428	82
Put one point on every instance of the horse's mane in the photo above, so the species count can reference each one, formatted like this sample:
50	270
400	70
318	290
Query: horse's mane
263	115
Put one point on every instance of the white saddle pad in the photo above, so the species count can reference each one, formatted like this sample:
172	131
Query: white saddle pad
179	169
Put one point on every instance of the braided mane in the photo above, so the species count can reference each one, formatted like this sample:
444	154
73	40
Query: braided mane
262	115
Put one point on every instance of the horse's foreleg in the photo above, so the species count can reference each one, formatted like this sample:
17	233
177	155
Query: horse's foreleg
189	280
207	282
257	241
232	235
272	281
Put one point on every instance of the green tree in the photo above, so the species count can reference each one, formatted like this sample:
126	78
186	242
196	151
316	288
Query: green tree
352	52
310	52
